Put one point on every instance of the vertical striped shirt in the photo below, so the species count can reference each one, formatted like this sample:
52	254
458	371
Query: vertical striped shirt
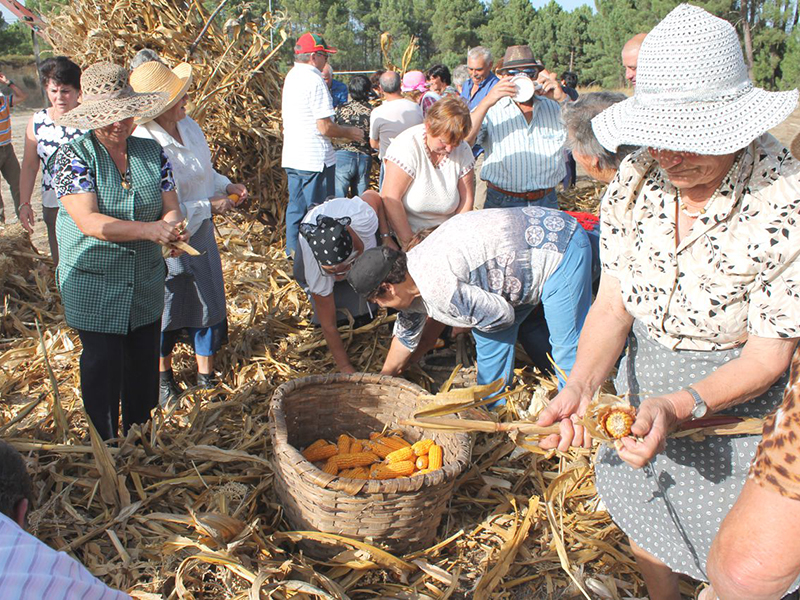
30	569
522	156
6	102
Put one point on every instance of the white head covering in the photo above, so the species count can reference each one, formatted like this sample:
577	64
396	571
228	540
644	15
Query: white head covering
692	91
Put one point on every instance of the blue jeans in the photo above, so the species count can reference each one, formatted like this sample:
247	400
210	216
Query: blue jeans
495	199
305	188
566	298
352	173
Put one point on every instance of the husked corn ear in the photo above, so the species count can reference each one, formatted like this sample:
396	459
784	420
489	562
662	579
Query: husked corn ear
422	447
421	472
343	443
331	467
319	452
394	442
401	455
380	449
356	447
346	472
374	435
360	459
422	462
359	473
392	470
435	456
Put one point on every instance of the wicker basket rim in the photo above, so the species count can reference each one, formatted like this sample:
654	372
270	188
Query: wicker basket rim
281	445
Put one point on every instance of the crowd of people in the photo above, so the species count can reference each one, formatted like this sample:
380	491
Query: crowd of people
687	284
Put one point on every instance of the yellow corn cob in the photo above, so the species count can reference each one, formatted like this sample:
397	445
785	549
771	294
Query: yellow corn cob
359	473
392	470
405	453
374	435
318	444
343	443
435	457
394	442
322	452
356	447
422	447
380	449
422	462
421	472
362	459
346	473
331	467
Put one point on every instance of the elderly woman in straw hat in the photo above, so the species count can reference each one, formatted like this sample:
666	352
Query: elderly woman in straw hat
118	208
194	298
699	245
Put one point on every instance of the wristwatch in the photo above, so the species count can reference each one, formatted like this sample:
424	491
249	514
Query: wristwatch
700	407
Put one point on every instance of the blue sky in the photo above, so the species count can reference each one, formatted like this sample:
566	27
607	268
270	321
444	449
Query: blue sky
567	4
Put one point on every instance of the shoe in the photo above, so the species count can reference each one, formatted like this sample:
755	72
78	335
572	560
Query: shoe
168	389
207	381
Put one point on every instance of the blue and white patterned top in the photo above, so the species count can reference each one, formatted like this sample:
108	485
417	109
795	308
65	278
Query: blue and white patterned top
522	156
49	138
478	266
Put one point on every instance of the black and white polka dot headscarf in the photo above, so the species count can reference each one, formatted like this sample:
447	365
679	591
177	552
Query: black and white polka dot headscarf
329	239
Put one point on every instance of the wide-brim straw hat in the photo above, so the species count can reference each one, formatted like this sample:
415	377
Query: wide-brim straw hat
692	91
155	76
108	98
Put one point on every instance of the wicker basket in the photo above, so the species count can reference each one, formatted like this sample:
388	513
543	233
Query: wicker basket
400	515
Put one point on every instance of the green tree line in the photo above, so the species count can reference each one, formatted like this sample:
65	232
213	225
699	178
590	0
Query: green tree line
585	41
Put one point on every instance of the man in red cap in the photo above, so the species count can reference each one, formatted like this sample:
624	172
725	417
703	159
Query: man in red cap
308	156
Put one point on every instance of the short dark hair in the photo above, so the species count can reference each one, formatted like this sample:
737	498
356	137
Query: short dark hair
441	72
374	79
359	88
570	79
397	273
15	483
61	70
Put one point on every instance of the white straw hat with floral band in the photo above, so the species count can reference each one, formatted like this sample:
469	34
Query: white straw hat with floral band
155	76
109	98
692	91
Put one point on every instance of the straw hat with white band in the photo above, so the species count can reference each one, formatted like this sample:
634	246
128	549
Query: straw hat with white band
155	76
109	98
692	91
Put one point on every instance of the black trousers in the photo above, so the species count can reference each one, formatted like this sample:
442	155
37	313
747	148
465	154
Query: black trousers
120	367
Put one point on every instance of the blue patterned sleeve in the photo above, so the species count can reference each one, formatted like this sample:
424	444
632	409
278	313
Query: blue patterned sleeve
408	328
167	179
71	175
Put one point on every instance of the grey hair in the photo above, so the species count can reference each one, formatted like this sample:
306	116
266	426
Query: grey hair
460	75
480	52
145	55
302	58
578	117
390	82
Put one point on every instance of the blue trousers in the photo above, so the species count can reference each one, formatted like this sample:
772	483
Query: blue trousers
305	188
352	173
495	199
566	298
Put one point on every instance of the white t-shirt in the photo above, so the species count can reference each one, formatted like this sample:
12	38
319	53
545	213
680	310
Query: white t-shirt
432	197
195	177
306	98
392	118
364	222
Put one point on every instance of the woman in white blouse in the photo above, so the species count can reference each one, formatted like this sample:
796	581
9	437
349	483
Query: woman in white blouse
194	301
699	248
429	171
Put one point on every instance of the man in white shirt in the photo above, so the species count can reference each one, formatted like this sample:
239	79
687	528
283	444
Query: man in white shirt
308	156
393	117
30	569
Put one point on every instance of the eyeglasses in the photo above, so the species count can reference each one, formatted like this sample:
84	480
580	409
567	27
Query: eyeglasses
532	73
322	54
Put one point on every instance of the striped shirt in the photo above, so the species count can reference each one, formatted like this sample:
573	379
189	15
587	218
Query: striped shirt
522	156
305	99
30	569
6	102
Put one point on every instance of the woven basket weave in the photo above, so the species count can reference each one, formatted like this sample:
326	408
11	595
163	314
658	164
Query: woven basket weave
400	515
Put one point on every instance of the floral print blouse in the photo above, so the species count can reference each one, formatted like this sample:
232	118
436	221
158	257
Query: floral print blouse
735	273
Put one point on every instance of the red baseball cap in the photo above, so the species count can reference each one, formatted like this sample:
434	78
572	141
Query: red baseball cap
312	42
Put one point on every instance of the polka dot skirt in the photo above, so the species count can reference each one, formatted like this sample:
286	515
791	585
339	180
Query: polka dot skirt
673	507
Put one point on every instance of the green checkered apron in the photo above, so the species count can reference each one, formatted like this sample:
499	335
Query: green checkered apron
114	287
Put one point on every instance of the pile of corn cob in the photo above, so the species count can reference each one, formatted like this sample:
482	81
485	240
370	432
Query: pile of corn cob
383	456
